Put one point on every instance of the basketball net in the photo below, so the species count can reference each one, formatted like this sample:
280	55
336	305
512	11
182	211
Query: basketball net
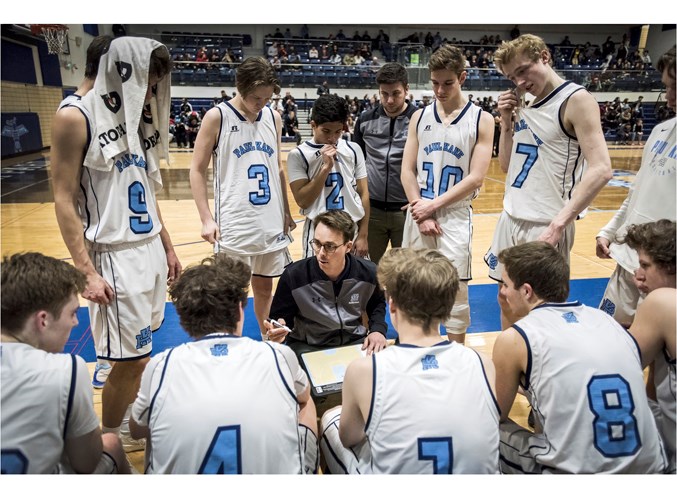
55	35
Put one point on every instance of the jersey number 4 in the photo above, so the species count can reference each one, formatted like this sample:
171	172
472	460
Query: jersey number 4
439	450
224	455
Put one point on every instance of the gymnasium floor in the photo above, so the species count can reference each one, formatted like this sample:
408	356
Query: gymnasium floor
28	223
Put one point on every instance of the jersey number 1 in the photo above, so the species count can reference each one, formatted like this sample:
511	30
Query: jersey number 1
447	172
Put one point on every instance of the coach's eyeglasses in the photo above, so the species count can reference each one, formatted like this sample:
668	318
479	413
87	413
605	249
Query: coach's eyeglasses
329	247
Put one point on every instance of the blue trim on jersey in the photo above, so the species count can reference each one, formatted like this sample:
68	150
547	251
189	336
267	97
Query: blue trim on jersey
304	160
551	94
315	146
279	370
71	393
159	386
486	380
237	113
421	117
336	458
218	136
217	335
373	392
354	154
559	115
89	216
527	374
414	346
96	199
558	305
460	116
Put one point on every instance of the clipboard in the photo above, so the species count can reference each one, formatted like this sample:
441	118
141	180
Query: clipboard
326	368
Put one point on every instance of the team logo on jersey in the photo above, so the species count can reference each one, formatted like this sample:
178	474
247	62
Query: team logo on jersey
234	128
144	338
124	70
219	350
429	361
112	101
492	261
608	306
147	114
427	128
570	318
354	298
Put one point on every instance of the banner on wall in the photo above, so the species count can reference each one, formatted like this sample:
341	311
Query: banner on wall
20	133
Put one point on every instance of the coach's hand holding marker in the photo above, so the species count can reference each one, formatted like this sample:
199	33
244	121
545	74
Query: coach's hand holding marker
277	330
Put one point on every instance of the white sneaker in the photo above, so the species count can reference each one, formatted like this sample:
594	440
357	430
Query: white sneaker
101	372
132	445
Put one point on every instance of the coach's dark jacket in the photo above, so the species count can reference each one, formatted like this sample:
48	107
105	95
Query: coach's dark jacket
382	140
325	313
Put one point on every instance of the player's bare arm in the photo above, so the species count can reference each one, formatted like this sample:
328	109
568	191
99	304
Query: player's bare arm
582	119
510	358
507	102
173	263
288	224
356	399
69	143
479	166
84	452
654	324
202	155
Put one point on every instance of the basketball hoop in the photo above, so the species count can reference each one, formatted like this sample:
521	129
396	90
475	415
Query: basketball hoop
54	34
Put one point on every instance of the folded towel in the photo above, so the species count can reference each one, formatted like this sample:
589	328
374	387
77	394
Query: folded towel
124	123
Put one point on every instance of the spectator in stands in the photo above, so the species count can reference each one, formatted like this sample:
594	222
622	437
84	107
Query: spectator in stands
514	33
290	105
291	126
293	58
185	106
305	33
228	58
324	55
180	134
437	41
623	133
608	49
637	131
349	59
357	36
565	41
646	59
192	129
366	37
277	34
224	96
201	56
323	89
381	40
287	33
277	104
277	64
335	58
272	50
358	59
340	35
623	51
312	53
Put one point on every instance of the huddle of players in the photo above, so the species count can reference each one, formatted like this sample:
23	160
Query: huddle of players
425	283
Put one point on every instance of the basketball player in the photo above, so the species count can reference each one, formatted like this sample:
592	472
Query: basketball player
445	160
652	197
580	370
112	197
251	219
48	421
96	49
328	173
544	148
224	403
424	406
322	299
381	132
654	324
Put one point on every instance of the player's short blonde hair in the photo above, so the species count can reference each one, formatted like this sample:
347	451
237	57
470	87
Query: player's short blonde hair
422	282
529	44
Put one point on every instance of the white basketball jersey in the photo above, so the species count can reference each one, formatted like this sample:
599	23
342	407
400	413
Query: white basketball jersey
444	153
664	379
222	404
546	162
248	204
46	398
656	194
432	412
340	186
587	389
116	206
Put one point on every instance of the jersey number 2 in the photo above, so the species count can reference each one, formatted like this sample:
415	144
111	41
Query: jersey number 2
615	426
334	201
224	455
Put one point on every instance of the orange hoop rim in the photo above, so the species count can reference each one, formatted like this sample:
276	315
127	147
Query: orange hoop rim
37	29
